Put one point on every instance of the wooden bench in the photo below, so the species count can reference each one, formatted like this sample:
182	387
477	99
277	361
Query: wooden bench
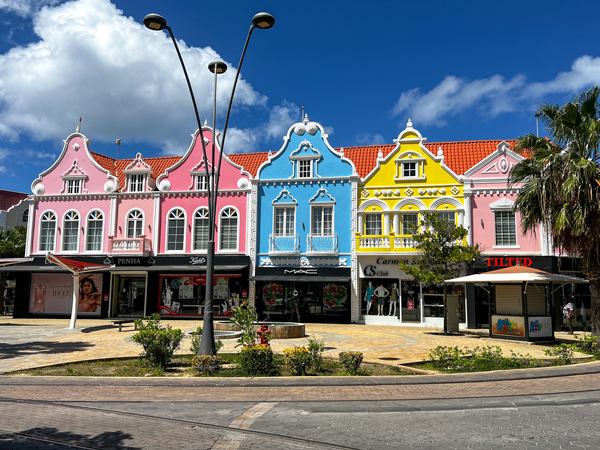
121	322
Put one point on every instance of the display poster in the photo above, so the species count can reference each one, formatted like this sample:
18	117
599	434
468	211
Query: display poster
540	326
508	326
411	305
52	293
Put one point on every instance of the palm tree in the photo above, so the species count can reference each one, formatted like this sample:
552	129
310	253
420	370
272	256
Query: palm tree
560	188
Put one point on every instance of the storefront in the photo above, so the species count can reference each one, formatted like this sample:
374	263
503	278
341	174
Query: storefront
388	295
173	286
312	295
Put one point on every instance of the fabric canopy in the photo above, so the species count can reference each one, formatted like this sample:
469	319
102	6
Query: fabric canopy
11	261
518	274
75	267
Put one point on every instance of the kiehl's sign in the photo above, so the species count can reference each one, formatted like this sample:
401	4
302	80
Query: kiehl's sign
507	262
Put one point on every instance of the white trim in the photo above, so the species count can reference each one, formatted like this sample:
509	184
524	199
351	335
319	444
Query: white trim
62	234
167	234
87	228
126	224
53	250
237	233
193	248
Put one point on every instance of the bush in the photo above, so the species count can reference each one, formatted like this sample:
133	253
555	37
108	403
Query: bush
196	338
258	360
478	359
589	344
316	348
297	359
159	343
351	361
207	364
564	352
245	316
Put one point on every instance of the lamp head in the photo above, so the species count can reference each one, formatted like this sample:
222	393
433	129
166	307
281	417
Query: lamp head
263	20
155	22
217	66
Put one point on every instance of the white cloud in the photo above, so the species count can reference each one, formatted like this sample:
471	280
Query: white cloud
25	8
123	79
281	117
492	96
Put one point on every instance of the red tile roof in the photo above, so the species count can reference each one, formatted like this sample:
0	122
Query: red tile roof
459	156
158	164
249	161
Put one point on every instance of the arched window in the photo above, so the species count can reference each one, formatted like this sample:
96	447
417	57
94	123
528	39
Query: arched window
95	222
135	224
229	229
70	237
47	232
201	229
176	230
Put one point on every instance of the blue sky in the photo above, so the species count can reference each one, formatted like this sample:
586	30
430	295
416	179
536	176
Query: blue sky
461	70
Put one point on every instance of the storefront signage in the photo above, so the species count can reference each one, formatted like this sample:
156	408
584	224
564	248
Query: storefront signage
508	326
130	261
540	326
300	271
508	262
382	267
198	260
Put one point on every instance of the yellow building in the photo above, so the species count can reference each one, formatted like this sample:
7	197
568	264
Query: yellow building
407	181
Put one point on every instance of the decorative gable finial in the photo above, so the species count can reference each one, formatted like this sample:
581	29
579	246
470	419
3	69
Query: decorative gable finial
342	151
305	119
205	122
380	154
409	124
78	126
440	151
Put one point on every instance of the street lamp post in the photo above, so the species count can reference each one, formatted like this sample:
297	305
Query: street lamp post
262	21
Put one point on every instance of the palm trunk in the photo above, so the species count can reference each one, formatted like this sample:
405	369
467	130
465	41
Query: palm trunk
445	308
595	298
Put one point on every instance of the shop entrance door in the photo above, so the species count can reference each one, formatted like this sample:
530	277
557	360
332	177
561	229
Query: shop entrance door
129	295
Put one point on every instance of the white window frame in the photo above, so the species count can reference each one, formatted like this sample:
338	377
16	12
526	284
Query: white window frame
319	210
98	217
176	214
47	217
135	220
404	225
441	215
203	215
137	182
201	182
410	161
368	226
74	185
512	233
74	219
285	228
303	165
222	227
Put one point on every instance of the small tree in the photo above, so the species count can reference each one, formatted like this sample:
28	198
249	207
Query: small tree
444	254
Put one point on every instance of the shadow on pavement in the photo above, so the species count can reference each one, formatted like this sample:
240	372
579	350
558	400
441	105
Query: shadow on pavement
99	328
9	351
46	437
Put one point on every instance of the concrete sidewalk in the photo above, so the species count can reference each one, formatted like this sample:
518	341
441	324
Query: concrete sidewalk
29	343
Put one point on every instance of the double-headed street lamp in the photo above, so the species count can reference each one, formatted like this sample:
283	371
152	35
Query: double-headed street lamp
156	22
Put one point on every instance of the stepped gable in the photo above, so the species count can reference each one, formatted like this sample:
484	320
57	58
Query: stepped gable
459	156
249	161
116	167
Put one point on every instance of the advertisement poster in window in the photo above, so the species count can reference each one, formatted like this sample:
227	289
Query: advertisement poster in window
53	294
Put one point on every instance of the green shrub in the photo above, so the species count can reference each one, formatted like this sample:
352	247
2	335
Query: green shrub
478	359
196	338
207	364
351	361
447	358
589	344
316	348
258	360
245	316
564	352
297	359
159	343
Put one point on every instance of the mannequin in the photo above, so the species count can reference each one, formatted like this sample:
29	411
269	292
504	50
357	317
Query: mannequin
393	299
369	297
381	293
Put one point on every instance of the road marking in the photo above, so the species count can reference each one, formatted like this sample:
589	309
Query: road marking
232	441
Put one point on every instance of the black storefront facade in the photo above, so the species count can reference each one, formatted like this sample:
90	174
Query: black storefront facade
131	286
303	294
481	299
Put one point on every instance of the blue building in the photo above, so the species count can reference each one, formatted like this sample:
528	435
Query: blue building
305	195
